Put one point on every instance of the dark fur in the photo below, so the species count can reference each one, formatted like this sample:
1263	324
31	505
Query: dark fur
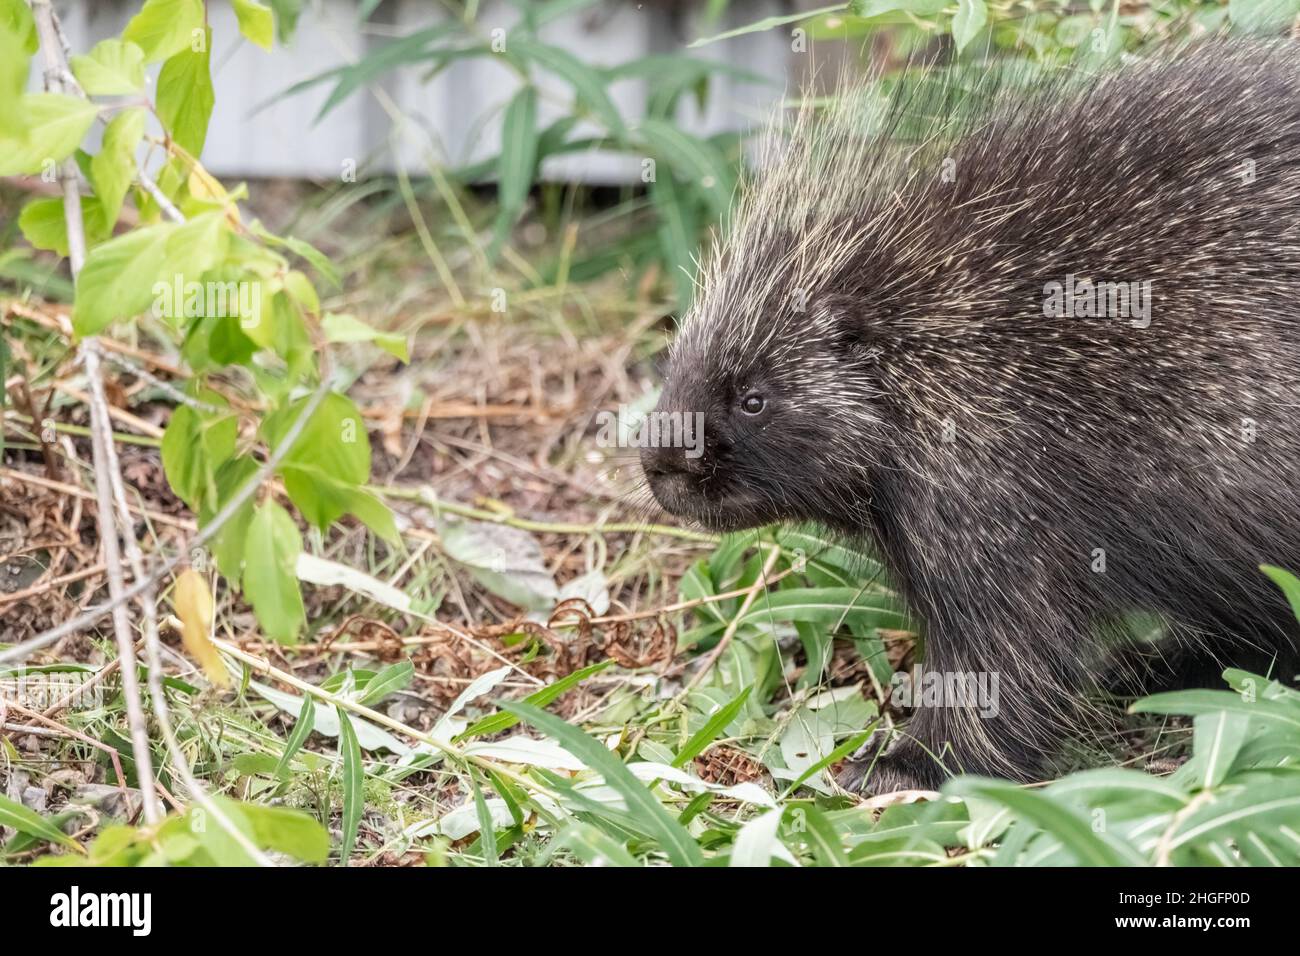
1071	434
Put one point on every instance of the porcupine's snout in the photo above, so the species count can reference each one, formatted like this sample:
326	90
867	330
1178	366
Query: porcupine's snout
673	454
674	477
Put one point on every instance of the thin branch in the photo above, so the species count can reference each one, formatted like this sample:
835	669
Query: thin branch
153	655
207	533
57	74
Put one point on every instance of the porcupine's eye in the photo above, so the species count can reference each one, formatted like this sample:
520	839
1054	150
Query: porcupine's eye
753	403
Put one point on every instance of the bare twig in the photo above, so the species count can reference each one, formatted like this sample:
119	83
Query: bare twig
153	655
210	530
57	79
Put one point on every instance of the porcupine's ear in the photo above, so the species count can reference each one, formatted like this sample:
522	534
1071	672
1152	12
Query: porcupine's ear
842	322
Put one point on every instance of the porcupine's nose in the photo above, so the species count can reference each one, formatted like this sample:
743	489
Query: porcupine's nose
673	470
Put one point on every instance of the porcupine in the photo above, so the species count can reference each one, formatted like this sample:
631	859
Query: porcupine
892	340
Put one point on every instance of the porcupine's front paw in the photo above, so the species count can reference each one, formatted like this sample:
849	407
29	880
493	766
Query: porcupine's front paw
873	775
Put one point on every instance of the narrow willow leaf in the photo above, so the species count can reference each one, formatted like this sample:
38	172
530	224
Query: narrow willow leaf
487	831
541	698
1194	702
769	23
1217	739
25	820
1289	584
673	838
820	835
716	723
593	846
587	82
758	842
678	233
390	680
517	162
301	731
1087	846
353	784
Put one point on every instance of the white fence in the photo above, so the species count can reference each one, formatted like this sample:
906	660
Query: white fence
455	117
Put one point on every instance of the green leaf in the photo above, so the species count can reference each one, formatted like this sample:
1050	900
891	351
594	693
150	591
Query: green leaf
284	830
594	847
301	731
44	225
13	79
112	68
185	98
286	18
587	82
970	19
255	22
712	728
1262	16
193	447
517	162
496	723
16	20
322	501
1289	584
678	233
820	835
163	28
388	681
353	784
1260	808
1217	739
828	606
1088	847
113	167
676	842
319	261
271	550
28	821
699	164
486	827
342	327
768	23
507	561
125	275
333	441
56	125
1196	702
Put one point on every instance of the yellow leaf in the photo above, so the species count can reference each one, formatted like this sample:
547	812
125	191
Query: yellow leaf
193	602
